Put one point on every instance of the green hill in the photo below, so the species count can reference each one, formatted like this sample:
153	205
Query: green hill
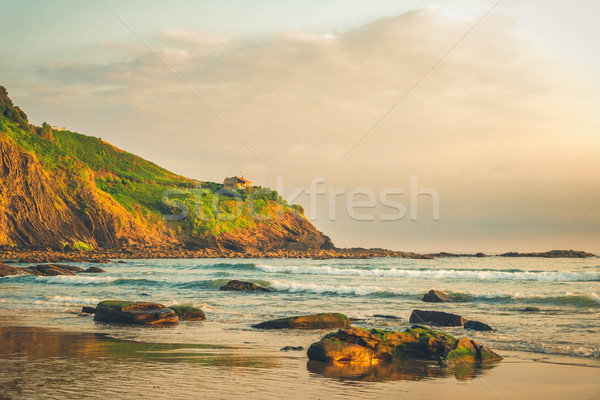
87	176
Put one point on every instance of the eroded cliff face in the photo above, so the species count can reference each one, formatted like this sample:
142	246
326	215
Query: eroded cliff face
41	207
288	231
48	208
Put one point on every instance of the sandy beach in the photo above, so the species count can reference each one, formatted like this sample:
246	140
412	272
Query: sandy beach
47	355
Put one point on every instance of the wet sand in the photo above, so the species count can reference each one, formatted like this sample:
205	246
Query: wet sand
101	361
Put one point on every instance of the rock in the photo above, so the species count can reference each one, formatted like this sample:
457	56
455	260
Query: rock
418	342
439	318
236	285
52	270
384	316
7	270
188	313
531	309
292	348
88	310
129	312
435	296
467	352
313	321
478	326
93	270
71	268
480	255
552	254
350	344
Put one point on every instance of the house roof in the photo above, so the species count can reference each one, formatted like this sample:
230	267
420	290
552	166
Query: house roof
243	180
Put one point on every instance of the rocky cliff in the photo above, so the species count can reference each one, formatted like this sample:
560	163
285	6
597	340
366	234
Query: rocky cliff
60	189
51	209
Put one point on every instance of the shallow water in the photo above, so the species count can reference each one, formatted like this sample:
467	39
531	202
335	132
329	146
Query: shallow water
49	351
377	293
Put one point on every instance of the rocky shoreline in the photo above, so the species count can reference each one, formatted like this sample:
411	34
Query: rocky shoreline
47	255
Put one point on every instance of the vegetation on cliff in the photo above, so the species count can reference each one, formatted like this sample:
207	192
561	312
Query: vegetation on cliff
68	176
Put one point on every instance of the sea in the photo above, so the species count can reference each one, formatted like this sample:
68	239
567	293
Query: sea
374	293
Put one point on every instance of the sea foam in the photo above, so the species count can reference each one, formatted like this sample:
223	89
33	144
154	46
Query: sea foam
550	276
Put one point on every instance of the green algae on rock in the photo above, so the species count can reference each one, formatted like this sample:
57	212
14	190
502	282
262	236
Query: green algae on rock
417	342
313	321
129	312
188	313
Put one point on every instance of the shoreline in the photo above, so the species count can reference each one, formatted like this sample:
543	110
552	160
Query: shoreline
150	363
37	255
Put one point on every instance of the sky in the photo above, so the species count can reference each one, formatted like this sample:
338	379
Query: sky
493	108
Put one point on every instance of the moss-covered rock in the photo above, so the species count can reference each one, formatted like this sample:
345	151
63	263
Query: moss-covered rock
423	343
188	313
313	321
436	296
418	342
242	286
129	312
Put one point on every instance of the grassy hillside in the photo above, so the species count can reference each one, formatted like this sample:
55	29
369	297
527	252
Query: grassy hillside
145	189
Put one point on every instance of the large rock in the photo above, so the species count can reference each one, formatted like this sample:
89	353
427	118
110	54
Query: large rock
477	326
418	342
438	318
129	312
313	321
435	296
468	351
188	313
54	270
7	270
242	286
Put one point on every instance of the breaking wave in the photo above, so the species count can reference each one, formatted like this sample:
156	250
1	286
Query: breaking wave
551	276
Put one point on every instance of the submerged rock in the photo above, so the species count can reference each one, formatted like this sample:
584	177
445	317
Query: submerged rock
241	286
45	270
292	348
129	312
55	270
88	310
435	296
7	270
478	326
313	321
531	309
94	270
188	313
418	342
439	318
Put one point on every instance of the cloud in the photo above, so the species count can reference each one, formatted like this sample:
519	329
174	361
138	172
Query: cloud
495	128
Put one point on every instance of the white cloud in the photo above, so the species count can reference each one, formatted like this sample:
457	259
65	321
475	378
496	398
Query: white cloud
496	124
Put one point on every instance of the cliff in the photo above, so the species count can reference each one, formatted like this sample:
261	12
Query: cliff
62	190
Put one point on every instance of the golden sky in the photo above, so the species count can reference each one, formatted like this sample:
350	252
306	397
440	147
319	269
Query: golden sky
505	127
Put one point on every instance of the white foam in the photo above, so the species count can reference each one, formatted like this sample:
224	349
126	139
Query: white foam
552	276
69	300
83	280
293	287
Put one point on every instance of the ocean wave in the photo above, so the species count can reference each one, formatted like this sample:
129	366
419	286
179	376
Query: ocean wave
580	300
339	290
85	280
236	266
68	300
215	283
551	276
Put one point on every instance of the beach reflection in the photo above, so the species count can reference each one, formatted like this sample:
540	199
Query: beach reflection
397	370
39	343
